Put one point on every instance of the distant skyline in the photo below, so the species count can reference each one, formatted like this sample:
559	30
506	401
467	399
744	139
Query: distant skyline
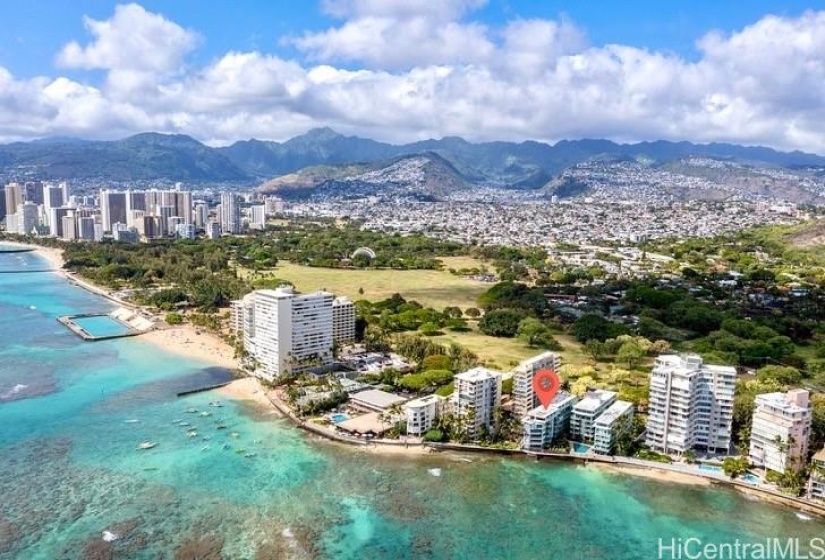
750	73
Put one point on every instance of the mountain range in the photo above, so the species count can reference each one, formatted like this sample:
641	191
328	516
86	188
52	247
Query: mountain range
322	156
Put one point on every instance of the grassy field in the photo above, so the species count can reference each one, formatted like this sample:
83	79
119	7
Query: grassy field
504	353
431	288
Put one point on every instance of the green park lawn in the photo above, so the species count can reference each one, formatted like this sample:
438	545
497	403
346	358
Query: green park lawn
430	288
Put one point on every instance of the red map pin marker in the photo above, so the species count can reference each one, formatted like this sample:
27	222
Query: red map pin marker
546	384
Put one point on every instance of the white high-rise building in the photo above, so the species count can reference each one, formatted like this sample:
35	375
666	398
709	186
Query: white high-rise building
422	413
524	397
690	405
52	198
780	430
287	332
476	396
343	320
230	216
542	425
257	216
585	412
27	218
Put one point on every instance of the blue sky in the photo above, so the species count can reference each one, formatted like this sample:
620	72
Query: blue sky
399	70
34	30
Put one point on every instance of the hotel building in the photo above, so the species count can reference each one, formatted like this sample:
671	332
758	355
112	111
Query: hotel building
780	430
690	405
816	484
286	332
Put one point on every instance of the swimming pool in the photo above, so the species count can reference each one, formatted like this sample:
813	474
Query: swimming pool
102	325
580	448
338	418
711	468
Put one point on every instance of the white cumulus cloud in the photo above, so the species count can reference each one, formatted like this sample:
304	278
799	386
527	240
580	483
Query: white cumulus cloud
411	69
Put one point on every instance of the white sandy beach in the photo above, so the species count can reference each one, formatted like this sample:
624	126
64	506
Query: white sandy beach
652	473
193	342
246	389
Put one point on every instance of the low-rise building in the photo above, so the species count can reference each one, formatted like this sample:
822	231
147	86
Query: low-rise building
374	400
585	412
816	484
780	430
422	414
610	425
543	425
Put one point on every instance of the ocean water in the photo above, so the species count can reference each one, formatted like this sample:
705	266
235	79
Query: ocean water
240	482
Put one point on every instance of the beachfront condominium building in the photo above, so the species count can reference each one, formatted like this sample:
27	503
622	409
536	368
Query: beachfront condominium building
230	214
690	405
476	398
343	320
780	430
542	426
421	414
524	397
287	332
816	484
585	412
611	425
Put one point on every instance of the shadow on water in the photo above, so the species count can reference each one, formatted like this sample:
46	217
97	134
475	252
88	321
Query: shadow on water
163	389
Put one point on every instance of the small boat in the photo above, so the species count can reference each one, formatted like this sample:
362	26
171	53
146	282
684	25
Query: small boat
434	472
132	421
184	424
192	433
191	410
803	516
215	404
250	455
234	434
205	414
206	448
147	445
220	427
32	307
240	451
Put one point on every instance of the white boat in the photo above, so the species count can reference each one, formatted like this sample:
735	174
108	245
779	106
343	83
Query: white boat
109	536
216	404
147	445
803	516
192	433
434	472
191	410
132	421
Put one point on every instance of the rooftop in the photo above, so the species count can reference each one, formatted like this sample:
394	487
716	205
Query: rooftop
424	401
478	374
610	415
541	413
373	398
594	399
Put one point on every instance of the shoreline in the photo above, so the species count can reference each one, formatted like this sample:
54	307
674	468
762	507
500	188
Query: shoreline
188	341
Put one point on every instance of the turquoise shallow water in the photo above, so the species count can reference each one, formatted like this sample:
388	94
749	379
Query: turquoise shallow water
73	413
